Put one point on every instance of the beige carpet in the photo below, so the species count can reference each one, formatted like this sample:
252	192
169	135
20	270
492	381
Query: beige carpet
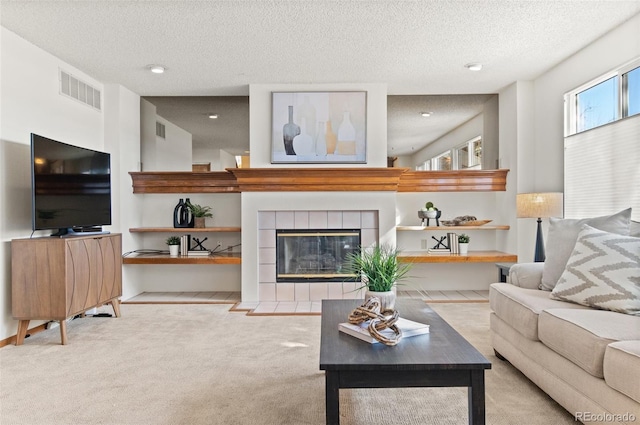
200	364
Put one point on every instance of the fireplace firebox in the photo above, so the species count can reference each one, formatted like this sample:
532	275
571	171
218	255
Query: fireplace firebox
314	255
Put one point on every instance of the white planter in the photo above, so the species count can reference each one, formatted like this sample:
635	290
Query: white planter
387	299
174	250
464	248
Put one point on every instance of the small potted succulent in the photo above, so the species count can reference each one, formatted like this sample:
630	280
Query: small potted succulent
199	214
174	245
429	212
463	243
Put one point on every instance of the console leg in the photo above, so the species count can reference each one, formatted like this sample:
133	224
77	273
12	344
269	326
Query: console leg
115	303
23	325
63	331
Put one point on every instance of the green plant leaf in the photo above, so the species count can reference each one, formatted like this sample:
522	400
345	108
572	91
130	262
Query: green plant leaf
377	267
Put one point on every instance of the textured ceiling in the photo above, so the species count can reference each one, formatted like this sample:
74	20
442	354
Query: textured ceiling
218	48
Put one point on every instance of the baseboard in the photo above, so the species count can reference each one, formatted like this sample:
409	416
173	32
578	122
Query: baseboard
32	331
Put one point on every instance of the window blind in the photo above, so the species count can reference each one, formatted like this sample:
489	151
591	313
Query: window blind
602	170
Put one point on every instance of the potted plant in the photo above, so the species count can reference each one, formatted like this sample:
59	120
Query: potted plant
379	271
463	243
199	214
174	245
429	212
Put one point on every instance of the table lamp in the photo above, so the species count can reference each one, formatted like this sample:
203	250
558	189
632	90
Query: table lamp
539	205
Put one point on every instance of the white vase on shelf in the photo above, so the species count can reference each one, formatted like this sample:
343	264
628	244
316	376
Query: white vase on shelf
464	248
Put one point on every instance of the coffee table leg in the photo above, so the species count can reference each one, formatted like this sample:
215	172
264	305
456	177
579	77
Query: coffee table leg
332	387
476	398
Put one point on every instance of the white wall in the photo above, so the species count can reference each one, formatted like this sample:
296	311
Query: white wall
605	54
173	153
219	159
532	121
122	139
485	124
30	103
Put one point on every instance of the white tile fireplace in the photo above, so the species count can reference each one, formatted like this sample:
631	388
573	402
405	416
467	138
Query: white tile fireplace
269	222
373	213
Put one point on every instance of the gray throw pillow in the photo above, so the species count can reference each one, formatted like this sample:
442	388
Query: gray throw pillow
562	237
603	272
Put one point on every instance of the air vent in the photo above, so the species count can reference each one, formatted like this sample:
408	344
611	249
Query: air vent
73	87
160	129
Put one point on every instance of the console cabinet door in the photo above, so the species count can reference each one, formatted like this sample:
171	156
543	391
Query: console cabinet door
94	272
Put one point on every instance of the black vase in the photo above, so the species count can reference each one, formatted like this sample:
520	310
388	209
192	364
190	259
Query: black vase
180	215
188	215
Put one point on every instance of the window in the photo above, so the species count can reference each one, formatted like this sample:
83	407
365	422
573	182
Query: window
597	105
463	157
631	82
469	155
606	99
442	162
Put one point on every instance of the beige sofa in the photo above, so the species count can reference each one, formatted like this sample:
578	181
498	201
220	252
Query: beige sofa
588	360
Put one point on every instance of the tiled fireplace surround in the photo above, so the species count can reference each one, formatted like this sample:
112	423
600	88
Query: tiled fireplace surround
269	221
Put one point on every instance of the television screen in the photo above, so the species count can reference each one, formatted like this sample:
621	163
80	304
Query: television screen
71	186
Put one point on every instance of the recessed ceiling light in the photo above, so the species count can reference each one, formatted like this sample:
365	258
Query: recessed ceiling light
213	116
426	114
156	69
474	66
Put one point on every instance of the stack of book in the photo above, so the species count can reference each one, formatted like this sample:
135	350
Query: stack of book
445	251
185	244
453	243
205	253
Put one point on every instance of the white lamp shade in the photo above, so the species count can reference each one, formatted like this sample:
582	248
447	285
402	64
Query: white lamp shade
539	205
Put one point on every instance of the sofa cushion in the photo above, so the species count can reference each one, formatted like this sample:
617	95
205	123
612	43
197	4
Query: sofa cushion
602	272
562	236
622	368
582	336
526	275
520	307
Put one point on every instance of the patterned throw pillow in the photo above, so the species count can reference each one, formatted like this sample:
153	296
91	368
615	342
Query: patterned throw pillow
603	272
562	236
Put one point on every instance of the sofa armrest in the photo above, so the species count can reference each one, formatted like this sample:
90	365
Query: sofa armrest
526	275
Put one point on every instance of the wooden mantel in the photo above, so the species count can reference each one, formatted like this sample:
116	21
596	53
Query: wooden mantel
363	179
317	179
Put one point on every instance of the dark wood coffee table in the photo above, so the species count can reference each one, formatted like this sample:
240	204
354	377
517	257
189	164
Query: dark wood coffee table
442	358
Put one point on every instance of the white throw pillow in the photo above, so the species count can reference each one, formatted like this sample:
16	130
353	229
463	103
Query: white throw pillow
562	237
603	272
634	229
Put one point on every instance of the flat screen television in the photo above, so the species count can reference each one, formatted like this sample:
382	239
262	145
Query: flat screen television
71	187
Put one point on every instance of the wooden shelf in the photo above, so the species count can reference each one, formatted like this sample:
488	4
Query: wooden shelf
460	228
183	182
183	229
471	257
361	179
222	258
454	181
